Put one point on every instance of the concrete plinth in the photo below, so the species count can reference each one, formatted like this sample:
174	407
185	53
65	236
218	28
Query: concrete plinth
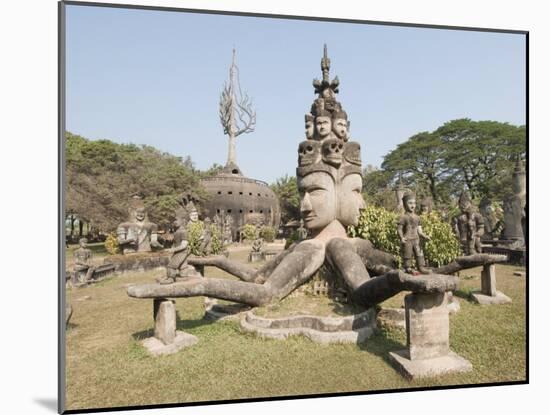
415	369
498	298
489	294
255	256
427	325
166	339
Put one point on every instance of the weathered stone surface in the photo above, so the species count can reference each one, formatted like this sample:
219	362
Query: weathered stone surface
138	261
415	369
489	280
427	324
255	256
498	298
215	311
324	330
164	313
181	340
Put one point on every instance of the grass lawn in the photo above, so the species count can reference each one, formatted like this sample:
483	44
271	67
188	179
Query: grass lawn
107	367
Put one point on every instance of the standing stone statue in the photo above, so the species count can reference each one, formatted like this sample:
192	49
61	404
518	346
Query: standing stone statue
514	205
83	269
138	235
491	224
468	226
410	231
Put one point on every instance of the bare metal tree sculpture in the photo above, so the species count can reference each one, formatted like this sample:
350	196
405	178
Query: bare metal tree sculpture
236	113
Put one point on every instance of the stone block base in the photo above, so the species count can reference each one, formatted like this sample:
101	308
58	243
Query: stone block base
415	369
157	347
483	299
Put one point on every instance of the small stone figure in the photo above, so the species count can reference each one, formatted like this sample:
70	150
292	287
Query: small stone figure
139	235
310	127
340	125
177	266
206	237
468	226
302	232
491	224
83	269
409	230
323	125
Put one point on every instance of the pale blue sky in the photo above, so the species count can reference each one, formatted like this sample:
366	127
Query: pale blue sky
154	77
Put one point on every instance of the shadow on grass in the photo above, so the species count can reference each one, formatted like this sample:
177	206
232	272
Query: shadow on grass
380	345
465	295
181	325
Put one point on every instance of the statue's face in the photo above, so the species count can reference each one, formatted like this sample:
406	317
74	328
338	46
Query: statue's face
410	205
350	199
323	126
423	209
340	128
140	215
309	129
194	216
83	243
317	200
464	206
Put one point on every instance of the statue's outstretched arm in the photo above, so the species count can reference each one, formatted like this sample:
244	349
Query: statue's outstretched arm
296	268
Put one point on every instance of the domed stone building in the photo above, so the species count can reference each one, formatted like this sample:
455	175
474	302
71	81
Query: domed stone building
233	198
243	199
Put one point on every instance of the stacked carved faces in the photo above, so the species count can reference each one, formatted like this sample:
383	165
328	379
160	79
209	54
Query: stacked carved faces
329	165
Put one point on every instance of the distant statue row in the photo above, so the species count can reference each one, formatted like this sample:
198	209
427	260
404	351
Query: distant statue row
468	226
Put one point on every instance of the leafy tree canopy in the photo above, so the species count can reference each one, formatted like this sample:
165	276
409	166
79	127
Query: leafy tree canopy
102	175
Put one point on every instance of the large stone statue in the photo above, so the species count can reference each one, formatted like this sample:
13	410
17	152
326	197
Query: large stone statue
83	269
409	230
138	235
329	181
468	226
492	225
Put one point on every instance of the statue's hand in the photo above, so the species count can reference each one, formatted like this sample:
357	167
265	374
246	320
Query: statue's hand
403	240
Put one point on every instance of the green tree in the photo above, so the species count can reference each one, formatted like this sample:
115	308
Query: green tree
286	189
102	175
481	154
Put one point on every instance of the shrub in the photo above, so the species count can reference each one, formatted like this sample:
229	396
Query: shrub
194	232
443	246
111	244
291	239
249	232
268	233
380	227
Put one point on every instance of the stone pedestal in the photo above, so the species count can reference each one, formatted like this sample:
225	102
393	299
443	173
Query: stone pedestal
167	339
254	256
489	293
427	325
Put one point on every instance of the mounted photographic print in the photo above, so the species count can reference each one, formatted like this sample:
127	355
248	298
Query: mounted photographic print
260	207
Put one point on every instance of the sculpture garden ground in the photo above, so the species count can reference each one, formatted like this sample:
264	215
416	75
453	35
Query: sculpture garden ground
107	366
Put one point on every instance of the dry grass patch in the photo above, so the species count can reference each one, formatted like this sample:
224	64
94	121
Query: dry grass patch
106	365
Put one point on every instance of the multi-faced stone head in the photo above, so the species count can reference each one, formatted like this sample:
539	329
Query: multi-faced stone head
317	199
323	124
409	202
310	126
350	199
340	125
